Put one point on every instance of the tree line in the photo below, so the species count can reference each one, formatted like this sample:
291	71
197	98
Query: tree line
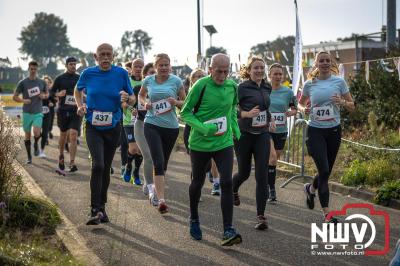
45	40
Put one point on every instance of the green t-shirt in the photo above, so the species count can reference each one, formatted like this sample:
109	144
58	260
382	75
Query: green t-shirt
127	119
281	100
219	102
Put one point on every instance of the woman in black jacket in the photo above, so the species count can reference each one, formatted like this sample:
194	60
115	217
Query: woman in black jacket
254	119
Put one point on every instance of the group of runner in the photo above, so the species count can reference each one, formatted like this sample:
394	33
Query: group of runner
222	118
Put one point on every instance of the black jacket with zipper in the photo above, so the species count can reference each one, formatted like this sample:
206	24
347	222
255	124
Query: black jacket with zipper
251	95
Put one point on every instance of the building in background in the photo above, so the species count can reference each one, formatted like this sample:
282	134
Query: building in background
346	52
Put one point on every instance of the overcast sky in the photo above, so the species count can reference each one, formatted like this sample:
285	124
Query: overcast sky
173	23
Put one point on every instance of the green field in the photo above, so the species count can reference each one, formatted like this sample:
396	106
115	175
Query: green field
8	87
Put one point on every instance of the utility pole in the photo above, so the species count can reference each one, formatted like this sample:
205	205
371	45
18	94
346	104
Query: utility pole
198	32
391	24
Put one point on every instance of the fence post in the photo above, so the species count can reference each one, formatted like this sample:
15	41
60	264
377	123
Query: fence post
303	124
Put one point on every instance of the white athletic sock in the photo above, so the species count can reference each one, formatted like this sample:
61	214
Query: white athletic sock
150	188
216	180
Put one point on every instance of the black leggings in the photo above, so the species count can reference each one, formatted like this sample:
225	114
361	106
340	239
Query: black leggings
124	147
45	129
102	145
186	134
249	145
323	145
224	161
161	141
52	114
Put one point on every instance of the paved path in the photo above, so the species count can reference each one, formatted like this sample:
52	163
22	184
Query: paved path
139	235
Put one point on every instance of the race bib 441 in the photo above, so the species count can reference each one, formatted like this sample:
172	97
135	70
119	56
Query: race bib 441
161	107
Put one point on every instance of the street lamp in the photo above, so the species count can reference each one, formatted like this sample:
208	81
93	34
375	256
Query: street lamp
211	30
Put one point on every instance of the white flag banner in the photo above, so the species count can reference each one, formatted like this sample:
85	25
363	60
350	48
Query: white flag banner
268	56
285	56
272	56
367	71
384	65
288	71
297	68
397	64
341	71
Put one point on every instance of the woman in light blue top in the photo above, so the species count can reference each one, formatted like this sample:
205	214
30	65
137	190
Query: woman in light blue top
282	98
161	127
327	94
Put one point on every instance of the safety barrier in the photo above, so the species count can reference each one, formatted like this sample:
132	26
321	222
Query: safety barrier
295	148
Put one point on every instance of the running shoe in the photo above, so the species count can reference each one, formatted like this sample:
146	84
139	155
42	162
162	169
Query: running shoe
261	223
29	160
195	231
272	196
66	147
236	199
42	154
330	220
309	196
61	164
35	149
153	200
230	237
50	135
127	174
145	190
216	190
95	217
73	168
136	176
162	207
122	171
104	219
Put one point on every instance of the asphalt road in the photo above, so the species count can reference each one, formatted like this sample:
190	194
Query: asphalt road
139	235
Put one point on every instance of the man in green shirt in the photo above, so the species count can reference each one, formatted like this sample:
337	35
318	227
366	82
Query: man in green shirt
210	109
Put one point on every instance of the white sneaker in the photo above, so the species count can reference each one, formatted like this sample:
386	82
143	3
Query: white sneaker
42	154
